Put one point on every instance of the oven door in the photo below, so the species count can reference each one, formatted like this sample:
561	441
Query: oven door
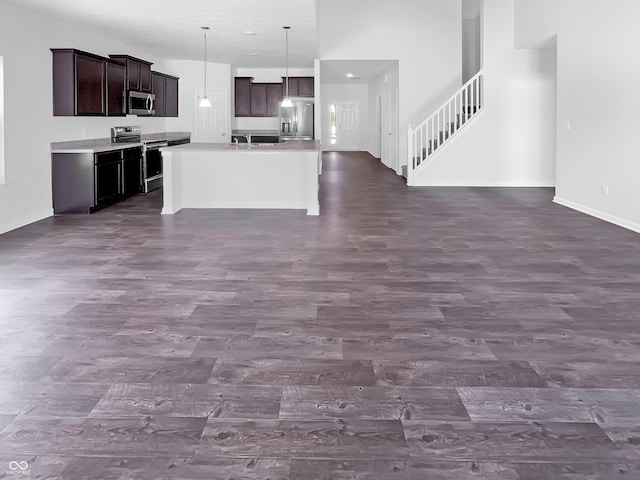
141	103
152	166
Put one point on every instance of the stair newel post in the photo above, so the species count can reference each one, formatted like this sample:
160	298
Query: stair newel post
410	155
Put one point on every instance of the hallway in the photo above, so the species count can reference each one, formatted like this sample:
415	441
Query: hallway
434	333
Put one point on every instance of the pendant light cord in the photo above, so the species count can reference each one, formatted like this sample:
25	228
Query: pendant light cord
205	62
286	63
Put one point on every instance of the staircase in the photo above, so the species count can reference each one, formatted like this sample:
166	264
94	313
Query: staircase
429	138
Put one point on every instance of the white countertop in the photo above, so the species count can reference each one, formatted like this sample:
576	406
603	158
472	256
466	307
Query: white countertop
100	145
288	146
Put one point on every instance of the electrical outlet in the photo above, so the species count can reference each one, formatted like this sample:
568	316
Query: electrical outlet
604	190
84	133
568	124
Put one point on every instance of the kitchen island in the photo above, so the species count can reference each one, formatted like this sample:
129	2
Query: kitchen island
220	175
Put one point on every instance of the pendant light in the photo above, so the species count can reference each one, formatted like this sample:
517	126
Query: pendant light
286	101
204	101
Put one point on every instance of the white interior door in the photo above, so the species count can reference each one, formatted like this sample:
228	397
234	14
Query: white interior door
348	120
212	123
379	126
393	131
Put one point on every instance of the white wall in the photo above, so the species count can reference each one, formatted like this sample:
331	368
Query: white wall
424	35
513	142
191	85
382	86
335	93
598	72
262	75
29	124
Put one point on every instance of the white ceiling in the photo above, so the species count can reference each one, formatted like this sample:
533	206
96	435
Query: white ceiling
170	29
363	71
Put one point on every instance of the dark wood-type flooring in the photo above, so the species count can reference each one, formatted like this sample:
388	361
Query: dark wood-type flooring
435	333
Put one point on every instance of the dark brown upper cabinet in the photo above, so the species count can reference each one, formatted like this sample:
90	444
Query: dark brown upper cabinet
165	88
305	87
138	72
258	100
274	98
299	86
171	99
243	96
116	90
79	83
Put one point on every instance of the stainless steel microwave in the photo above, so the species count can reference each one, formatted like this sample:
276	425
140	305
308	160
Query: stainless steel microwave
141	103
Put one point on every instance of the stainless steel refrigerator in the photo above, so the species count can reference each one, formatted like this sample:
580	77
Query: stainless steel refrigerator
297	122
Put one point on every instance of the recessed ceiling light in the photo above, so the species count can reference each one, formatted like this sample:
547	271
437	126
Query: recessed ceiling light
249	32
254	54
349	75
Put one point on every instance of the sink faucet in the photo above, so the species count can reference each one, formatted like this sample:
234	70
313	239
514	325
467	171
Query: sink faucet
248	137
235	139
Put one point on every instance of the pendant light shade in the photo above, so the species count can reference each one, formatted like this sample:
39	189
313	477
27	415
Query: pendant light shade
204	101
286	101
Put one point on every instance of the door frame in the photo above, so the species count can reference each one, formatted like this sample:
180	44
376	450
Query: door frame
337	147
394	129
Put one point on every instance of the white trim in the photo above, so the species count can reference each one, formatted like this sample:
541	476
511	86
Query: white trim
484	183
3	177
23	222
621	222
246	205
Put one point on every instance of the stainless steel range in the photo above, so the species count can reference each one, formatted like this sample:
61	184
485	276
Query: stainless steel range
152	157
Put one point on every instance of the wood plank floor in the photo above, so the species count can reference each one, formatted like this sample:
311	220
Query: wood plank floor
436	333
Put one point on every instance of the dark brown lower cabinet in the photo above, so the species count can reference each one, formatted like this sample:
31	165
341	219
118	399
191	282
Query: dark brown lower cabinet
87	182
108	179
131	172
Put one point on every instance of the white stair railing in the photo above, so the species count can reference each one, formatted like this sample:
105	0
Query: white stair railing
439	129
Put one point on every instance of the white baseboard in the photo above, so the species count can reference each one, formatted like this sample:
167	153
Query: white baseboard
621	222
23	222
489	184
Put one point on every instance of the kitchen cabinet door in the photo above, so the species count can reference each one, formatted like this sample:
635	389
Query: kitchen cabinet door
116	90
258	100
293	86
171	96
305	87
108	178
131	172
243	96
145	77
274	97
138	73
90	84
158	89
299	86
133	75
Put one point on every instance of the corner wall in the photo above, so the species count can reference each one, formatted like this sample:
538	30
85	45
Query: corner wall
382	86
598	171
29	124
424	35
512	143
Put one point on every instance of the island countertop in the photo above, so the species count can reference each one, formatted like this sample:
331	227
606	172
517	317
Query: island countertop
100	145
288	146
